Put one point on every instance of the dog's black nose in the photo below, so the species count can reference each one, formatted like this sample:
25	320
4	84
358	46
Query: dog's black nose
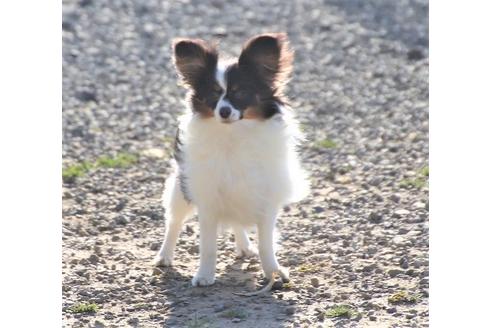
225	112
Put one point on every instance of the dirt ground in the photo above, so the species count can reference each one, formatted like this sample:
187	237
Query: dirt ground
360	89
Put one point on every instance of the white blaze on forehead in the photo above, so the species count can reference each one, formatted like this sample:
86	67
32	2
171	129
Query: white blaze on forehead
220	74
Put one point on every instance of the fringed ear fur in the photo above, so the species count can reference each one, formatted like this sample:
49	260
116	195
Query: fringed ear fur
270	57
193	57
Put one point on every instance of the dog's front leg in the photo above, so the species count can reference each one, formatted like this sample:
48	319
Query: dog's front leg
266	250
208	251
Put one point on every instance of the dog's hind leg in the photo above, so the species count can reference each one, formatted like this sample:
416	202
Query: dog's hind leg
177	210
243	245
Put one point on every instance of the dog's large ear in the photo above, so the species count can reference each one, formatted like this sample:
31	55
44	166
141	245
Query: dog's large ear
269	56
192	58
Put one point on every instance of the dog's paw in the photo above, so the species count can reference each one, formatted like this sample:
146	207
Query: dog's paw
246	252
202	281
163	261
283	273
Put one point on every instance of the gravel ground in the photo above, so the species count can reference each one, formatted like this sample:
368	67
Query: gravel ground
360	88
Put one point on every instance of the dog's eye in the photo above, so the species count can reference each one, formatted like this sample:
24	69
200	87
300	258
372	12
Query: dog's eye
217	89
240	94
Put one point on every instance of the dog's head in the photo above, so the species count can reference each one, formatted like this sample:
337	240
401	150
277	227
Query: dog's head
247	88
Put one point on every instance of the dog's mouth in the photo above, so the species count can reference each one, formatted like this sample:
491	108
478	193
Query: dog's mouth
228	120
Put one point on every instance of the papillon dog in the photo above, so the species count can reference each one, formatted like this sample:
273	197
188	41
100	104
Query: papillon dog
235	156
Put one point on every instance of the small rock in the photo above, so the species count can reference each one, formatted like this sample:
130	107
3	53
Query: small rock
372	318
401	213
344	179
93	259
399	241
415	54
121	204
403	231
85	3
97	249
419	205
369	268
154	153
121	219
86	96
375	217
194	249
315	282
290	310
375	181
395	198
155	246
391	310
404	263
394	272
133	321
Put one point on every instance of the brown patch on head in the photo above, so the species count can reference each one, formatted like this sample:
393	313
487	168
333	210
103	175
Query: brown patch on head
253	113
201	106
269	56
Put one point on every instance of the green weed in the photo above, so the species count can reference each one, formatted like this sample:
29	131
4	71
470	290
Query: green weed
340	311
326	143
84	308
403	297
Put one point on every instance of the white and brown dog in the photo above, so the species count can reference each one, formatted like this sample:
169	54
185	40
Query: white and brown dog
235	150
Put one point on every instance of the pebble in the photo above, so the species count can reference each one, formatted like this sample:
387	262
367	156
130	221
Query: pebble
369	268
403	263
375	217
155	246
395	198
290	310
415	54
394	272
401	213
94	259
391	310
122	219
315	282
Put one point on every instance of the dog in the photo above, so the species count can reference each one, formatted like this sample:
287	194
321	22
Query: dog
235	151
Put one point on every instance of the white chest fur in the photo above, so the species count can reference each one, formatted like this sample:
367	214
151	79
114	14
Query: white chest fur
242	171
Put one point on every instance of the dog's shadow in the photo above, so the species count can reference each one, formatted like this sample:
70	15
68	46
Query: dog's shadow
218	305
